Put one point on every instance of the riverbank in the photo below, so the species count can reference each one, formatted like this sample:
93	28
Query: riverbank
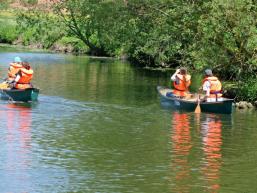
241	98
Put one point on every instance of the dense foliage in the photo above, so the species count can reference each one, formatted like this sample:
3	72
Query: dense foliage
212	33
94	22
229	37
8	31
247	89
218	34
39	27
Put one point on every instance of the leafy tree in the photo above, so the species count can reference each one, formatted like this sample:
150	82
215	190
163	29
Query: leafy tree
162	31
39	27
228	38
91	21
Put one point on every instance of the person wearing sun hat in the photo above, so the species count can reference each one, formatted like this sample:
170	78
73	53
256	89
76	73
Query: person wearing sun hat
17	59
14	68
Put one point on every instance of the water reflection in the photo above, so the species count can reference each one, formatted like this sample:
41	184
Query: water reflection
17	147
207	129
182	144
212	141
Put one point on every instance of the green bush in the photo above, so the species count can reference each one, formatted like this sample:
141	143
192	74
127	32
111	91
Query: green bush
3	5
77	45
8	33
248	89
28	37
39	28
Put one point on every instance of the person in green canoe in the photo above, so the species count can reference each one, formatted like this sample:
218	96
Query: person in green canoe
211	86
181	82
23	77
14	68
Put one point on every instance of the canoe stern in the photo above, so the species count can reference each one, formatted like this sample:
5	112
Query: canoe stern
23	95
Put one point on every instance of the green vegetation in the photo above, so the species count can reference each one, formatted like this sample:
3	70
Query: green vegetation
247	91
218	34
228	37
38	27
29	2
8	32
4	4
198	34
74	44
93	22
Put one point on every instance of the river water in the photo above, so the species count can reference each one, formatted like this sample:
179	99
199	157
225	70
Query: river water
99	126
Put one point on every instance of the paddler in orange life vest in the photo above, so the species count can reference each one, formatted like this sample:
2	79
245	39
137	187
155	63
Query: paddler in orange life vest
211	86
23	77
181	82
14	68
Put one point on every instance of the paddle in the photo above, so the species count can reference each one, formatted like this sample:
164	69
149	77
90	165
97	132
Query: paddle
198	108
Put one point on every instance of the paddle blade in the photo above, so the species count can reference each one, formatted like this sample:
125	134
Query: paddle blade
198	109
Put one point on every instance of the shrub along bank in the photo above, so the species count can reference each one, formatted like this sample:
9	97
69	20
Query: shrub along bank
242	91
247	91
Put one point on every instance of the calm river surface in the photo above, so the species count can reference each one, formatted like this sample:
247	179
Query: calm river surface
98	126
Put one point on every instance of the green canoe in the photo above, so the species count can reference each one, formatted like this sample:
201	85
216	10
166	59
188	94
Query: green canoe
223	105
23	95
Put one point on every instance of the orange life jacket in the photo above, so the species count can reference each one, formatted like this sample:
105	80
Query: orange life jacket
180	93
215	90
13	70
24	81
181	86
